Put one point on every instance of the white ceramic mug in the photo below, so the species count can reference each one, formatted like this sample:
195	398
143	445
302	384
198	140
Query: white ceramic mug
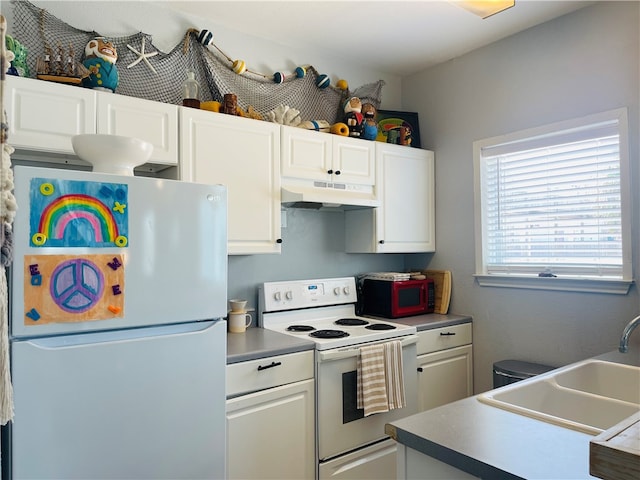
238	322
238	305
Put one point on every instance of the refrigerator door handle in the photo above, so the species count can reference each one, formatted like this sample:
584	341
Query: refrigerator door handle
92	338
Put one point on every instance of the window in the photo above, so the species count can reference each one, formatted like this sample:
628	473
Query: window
552	206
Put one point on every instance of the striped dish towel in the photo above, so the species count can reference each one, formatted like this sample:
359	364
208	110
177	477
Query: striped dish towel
380	382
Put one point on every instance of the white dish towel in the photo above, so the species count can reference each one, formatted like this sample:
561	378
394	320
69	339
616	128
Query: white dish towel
380	386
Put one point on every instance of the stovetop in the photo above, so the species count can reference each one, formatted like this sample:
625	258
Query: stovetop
323	311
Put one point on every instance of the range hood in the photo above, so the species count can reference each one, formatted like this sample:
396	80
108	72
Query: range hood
327	196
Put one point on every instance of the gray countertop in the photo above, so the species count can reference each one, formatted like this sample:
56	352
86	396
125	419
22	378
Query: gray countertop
258	343
489	442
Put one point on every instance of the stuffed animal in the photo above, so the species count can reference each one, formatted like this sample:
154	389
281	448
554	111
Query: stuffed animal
100	60
19	65
353	117
370	129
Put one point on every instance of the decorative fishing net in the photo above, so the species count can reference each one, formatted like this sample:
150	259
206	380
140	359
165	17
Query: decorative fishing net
36	29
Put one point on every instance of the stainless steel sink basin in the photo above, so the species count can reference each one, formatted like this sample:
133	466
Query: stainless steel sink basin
590	396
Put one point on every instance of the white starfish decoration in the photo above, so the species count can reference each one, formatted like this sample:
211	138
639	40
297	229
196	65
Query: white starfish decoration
142	56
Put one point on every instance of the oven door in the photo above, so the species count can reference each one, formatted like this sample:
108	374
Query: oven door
341	425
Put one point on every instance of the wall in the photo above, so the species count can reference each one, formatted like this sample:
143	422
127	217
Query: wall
582	63
313	240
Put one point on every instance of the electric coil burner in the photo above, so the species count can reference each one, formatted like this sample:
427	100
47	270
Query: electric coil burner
351	322
300	328
328	333
323	311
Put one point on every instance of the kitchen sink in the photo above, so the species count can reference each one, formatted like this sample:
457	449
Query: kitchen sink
590	396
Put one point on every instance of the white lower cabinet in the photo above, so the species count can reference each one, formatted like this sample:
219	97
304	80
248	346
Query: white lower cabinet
415	465
405	220
244	155
445	365
271	431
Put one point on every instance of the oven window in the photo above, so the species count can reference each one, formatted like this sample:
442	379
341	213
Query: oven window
408	297
350	411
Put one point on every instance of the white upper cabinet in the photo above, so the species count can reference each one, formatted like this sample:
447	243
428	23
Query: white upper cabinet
405	221
307	154
244	155
43	116
155	122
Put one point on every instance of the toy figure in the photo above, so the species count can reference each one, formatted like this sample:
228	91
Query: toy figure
100	60
230	104
370	130
353	117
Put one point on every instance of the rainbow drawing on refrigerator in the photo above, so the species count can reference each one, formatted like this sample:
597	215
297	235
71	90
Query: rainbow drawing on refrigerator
69	213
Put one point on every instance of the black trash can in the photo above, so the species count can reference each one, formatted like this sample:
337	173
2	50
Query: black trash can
511	371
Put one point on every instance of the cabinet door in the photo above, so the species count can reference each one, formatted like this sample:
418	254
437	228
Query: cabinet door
353	160
271	433
405	221
306	154
444	377
43	116
242	154
155	122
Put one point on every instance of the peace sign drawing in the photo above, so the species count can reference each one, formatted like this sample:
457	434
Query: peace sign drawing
73	288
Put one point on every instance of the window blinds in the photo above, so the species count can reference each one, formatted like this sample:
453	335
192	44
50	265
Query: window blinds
552	203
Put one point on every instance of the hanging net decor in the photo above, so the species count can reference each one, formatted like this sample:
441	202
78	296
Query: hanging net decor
158	76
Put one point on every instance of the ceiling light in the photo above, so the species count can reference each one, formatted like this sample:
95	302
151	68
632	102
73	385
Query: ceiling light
485	8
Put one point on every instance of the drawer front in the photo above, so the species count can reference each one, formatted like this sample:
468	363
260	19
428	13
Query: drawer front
444	337
268	372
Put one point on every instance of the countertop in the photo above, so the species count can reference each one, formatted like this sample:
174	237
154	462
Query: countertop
258	343
489	442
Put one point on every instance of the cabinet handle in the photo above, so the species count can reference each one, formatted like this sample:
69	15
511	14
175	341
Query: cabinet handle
329	172
447	334
279	240
381	242
420	369
273	364
337	172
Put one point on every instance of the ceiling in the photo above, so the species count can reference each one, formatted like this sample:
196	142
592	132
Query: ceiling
392	36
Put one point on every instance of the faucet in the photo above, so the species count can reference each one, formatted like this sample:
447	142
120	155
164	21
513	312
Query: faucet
624	340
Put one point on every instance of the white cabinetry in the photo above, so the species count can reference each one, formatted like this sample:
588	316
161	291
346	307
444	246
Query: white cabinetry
405	221
270	418
445	365
413	464
43	116
154	122
326	157
242	154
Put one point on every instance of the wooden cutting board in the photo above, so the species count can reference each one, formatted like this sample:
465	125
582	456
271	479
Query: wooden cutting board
442	281
615	453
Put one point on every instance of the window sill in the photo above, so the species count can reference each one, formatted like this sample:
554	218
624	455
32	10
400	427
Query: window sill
618	287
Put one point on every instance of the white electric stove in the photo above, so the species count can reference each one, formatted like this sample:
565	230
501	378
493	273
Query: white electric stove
349	445
323	311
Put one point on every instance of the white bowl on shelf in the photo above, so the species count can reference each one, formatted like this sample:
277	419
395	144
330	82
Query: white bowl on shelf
112	153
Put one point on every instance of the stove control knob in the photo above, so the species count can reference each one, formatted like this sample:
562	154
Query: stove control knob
277	296
288	295
346	290
336	291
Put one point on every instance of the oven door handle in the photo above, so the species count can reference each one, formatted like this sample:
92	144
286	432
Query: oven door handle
354	351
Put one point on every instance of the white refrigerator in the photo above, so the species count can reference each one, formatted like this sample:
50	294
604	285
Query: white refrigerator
117	338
